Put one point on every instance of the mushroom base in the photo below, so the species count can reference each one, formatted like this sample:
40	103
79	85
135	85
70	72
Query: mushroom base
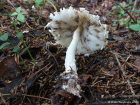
70	83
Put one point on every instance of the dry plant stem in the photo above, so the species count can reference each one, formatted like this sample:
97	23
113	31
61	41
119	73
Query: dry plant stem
48	81
127	79
126	11
35	96
53	6
24	95
125	76
96	83
53	57
129	64
41	70
11	4
123	96
50	54
128	17
4	101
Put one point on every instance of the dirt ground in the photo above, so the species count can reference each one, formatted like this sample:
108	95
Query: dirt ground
109	76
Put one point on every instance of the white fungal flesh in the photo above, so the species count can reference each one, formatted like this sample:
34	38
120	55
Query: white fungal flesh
92	37
70	54
65	22
82	33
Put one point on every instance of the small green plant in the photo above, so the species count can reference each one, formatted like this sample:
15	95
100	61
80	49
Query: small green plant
19	14
135	27
19	35
122	14
70	5
42	3
4	37
16	49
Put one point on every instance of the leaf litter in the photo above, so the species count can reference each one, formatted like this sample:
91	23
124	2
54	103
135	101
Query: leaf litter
107	76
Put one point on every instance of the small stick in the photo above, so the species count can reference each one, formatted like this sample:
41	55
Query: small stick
41	70
126	12
3	98
128	17
50	53
25	95
129	64
127	79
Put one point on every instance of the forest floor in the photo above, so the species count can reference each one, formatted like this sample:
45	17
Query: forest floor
109	76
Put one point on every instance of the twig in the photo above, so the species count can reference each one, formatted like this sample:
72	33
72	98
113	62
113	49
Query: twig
3	98
50	53
123	96
96	83
128	17
125	76
24	95
126	11
129	64
35	96
41	70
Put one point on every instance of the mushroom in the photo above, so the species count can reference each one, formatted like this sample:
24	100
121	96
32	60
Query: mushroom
82	33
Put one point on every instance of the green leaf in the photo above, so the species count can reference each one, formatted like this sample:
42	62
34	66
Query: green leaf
3	45
131	20
135	27
30	1
122	11
50	0
37	3
4	37
113	13
17	23
16	49
18	9
136	11
120	15
134	6
104	18
114	20
126	5
22	13
121	20
121	4
20	17
1	32
13	14
138	21
19	35
125	14
125	22
137	15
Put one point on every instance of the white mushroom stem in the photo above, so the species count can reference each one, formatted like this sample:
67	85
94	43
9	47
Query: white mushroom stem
70	62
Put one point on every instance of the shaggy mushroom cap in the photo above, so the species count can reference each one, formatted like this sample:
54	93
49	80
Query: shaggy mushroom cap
65	22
